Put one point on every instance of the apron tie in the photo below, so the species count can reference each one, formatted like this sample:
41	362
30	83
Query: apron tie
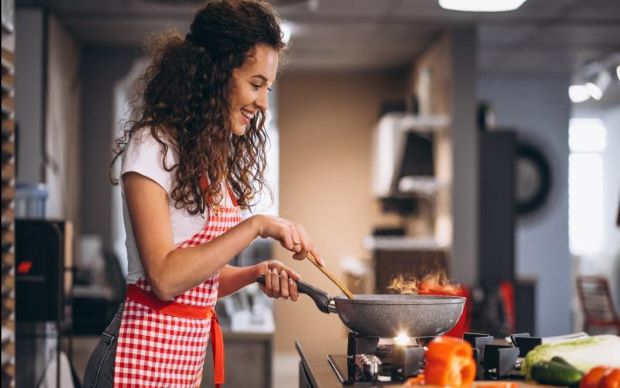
146	298
217	348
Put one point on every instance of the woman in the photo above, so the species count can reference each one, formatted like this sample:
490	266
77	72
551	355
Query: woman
192	158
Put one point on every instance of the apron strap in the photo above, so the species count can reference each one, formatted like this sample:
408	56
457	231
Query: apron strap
232	195
204	185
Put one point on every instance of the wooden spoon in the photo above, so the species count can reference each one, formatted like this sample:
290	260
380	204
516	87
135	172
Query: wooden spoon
331	277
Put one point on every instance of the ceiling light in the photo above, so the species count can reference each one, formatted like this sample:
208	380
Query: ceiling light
618	71
597	87
578	93
595	92
481	5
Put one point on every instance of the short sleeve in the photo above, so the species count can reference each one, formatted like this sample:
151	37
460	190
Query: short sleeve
144	156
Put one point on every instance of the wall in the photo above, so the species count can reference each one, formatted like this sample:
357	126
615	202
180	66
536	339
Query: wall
325	124
537	107
29	97
101	67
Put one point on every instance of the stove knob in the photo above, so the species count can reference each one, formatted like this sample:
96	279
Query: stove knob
372	367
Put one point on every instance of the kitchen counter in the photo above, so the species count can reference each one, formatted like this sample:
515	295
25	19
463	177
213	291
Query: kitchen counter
313	365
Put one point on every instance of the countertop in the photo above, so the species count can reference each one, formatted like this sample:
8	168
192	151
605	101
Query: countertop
313	354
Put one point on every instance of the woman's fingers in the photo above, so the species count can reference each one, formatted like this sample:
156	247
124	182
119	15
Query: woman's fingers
292	290
295	236
268	282
275	283
291	236
280	267
280	281
306	243
286	238
284	285
317	256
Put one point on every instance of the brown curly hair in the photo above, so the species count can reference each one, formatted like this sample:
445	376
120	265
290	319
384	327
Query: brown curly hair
184	100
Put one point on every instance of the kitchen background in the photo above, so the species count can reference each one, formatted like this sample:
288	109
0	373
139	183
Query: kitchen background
472	89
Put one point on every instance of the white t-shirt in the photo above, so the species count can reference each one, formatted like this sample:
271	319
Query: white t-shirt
144	156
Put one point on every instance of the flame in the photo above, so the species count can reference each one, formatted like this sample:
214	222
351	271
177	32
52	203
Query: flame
433	283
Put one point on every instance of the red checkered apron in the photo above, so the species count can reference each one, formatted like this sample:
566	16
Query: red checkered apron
156	349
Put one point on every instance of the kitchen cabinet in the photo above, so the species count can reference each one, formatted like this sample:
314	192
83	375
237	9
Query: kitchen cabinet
247	360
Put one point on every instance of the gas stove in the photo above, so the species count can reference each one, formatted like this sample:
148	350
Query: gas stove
371	361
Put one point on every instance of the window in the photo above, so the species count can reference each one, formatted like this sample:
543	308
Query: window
587	140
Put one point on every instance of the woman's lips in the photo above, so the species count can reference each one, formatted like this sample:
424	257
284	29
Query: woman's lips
246	116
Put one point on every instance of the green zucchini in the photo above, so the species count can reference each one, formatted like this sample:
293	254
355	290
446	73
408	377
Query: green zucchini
555	372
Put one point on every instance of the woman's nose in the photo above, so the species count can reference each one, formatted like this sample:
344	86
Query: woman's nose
262	100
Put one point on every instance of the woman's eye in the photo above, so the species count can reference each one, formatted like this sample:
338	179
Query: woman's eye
255	86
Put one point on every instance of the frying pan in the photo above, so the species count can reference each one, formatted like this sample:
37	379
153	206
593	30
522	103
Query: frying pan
388	315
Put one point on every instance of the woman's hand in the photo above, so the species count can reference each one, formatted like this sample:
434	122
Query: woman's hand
291	236
280	280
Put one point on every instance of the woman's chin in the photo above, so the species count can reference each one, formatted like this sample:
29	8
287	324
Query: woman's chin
239	131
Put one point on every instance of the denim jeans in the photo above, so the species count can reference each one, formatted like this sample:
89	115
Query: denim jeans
100	368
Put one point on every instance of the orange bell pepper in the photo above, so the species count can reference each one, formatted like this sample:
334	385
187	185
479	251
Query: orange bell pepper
449	361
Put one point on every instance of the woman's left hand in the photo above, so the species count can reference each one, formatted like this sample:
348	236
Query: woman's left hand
280	280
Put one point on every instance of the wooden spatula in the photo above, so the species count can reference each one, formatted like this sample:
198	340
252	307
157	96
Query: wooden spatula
331	277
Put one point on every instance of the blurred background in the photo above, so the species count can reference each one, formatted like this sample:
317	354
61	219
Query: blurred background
409	139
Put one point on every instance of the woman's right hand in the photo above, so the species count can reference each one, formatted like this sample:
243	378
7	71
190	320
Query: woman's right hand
291	236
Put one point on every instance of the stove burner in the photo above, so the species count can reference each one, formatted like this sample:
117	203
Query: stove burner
382	361
370	360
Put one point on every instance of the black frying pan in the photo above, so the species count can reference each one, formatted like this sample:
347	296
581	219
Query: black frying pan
388	315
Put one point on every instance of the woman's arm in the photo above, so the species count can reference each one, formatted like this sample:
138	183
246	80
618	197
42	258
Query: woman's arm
232	279
173	271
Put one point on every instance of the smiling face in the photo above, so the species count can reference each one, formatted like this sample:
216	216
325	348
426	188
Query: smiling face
251	84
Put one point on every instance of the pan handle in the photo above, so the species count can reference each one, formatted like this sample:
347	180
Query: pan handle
320	298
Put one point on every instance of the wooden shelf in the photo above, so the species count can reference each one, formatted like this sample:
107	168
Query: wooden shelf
416	123
8	173
8	128
8	107
8	60
8	84
8	150
8	196
8	215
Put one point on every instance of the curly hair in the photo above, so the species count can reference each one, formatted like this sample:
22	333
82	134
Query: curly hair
184	100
